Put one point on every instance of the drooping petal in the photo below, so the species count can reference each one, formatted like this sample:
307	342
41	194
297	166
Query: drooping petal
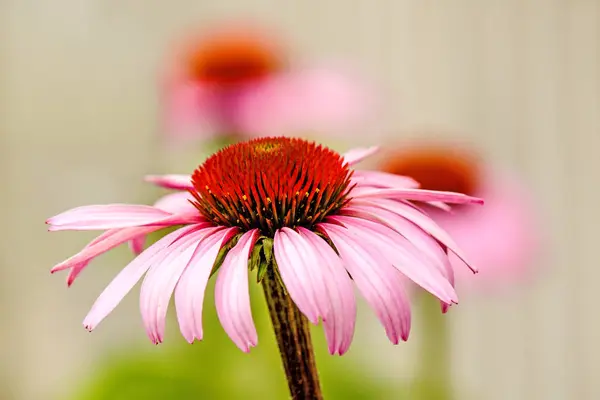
301	274
354	156
189	293
77	268
127	278
172	181
136	245
422	221
107	216
383	180
177	203
161	279
377	280
339	324
402	255
424	242
232	296
107	241
415	195
421	240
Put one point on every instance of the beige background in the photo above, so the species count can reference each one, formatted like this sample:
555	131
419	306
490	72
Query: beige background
520	77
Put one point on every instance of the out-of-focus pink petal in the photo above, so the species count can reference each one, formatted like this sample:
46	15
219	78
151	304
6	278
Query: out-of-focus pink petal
172	181
403	255
339	323
416	195
189	293
502	238
107	216
301	274
232	297
127	278
356	155
136	245
190	110
178	202
306	100
421	220
377	280
383	180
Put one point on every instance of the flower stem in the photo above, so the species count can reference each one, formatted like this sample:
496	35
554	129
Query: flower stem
293	338
434	370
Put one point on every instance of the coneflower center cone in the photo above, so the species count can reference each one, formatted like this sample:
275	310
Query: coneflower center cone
271	183
232	58
437	167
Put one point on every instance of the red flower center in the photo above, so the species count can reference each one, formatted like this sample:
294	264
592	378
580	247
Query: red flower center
437	167
232	58
270	183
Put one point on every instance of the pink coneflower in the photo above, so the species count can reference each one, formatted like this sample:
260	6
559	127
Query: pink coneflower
295	212
237	80
500	238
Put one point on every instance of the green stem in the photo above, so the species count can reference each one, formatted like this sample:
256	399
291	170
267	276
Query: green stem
292	332
435	366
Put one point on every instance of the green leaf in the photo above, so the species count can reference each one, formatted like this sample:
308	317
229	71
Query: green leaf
223	252
255	257
262	270
267	246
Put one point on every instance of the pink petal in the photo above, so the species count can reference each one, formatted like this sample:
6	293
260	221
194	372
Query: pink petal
356	155
502	239
191	110
106	217
422	221
339	324
383	180
422	241
161	279
127	278
377	280
137	244
102	244
232	296
301	274
177	182
189	293
76	270
402	254
176	203
415	195
307	100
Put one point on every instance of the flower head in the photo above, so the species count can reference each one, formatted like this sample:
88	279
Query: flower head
294	207
236	80
501	238
231	57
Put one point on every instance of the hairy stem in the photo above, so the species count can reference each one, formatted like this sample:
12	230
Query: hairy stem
293	338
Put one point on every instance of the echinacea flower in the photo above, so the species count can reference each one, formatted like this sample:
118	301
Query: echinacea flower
318	223
501	238
237	80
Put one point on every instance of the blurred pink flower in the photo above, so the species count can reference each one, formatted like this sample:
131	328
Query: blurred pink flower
503	237
297	199
237	81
